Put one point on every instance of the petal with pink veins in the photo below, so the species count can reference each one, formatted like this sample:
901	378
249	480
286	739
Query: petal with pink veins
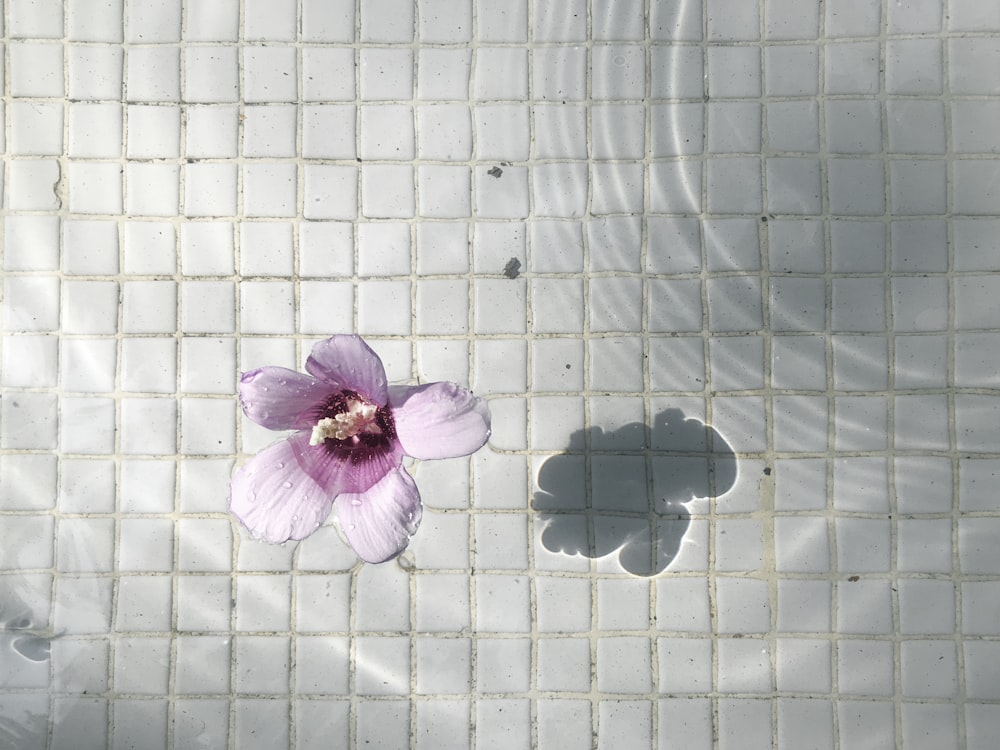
347	362
337	469
378	523
439	420
275	499
282	399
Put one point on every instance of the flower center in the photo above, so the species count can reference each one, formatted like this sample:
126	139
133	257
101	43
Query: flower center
360	417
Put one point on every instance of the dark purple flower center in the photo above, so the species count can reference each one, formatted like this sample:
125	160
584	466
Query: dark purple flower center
353	427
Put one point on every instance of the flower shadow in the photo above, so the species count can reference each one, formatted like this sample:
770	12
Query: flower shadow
635	502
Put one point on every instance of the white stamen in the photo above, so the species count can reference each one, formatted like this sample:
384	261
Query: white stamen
359	417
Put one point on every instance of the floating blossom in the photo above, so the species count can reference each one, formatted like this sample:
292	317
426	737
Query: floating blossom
352	431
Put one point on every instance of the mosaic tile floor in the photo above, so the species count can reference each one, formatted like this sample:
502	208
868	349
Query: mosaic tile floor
727	272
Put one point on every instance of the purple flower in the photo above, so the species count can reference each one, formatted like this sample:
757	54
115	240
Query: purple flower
352	431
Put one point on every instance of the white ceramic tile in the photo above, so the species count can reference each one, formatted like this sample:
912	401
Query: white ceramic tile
860	484
317	84
787	19
443	665
270	189
87	425
864	667
82	605
867	721
803	665
195	377
149	365
799	716
330	192
926	607
864	606
913	66
262	603
95	188
564	664
674	245
917	126
733	304
503	603
202	664
261	723
744	665
36	128
386	74
971	181
733	127
322	303
927	725
559	74
493	554
618	71
442	75
207	307
802	544
927	197
321	603
384	721
675	187
560	131
800	484
95	72
267	307
30	361
733	71
29	421
677	130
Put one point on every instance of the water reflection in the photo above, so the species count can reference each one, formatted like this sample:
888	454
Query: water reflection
635	502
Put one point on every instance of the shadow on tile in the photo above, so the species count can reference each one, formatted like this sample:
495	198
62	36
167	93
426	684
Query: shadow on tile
634	504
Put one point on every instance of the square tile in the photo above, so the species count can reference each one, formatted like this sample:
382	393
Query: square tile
803	606
862	545
144	603
444	132
95	72
618	71
677	72
913	66
852	67
734	185
443	74
387	21
791	70
744	665
864	667
917	127
558	74
328	71
269	74
803	665
926	607
734	71
152	74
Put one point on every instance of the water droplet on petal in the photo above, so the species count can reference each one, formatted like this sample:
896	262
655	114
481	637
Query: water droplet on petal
355	502
287	485
352	527
280	465
295	518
